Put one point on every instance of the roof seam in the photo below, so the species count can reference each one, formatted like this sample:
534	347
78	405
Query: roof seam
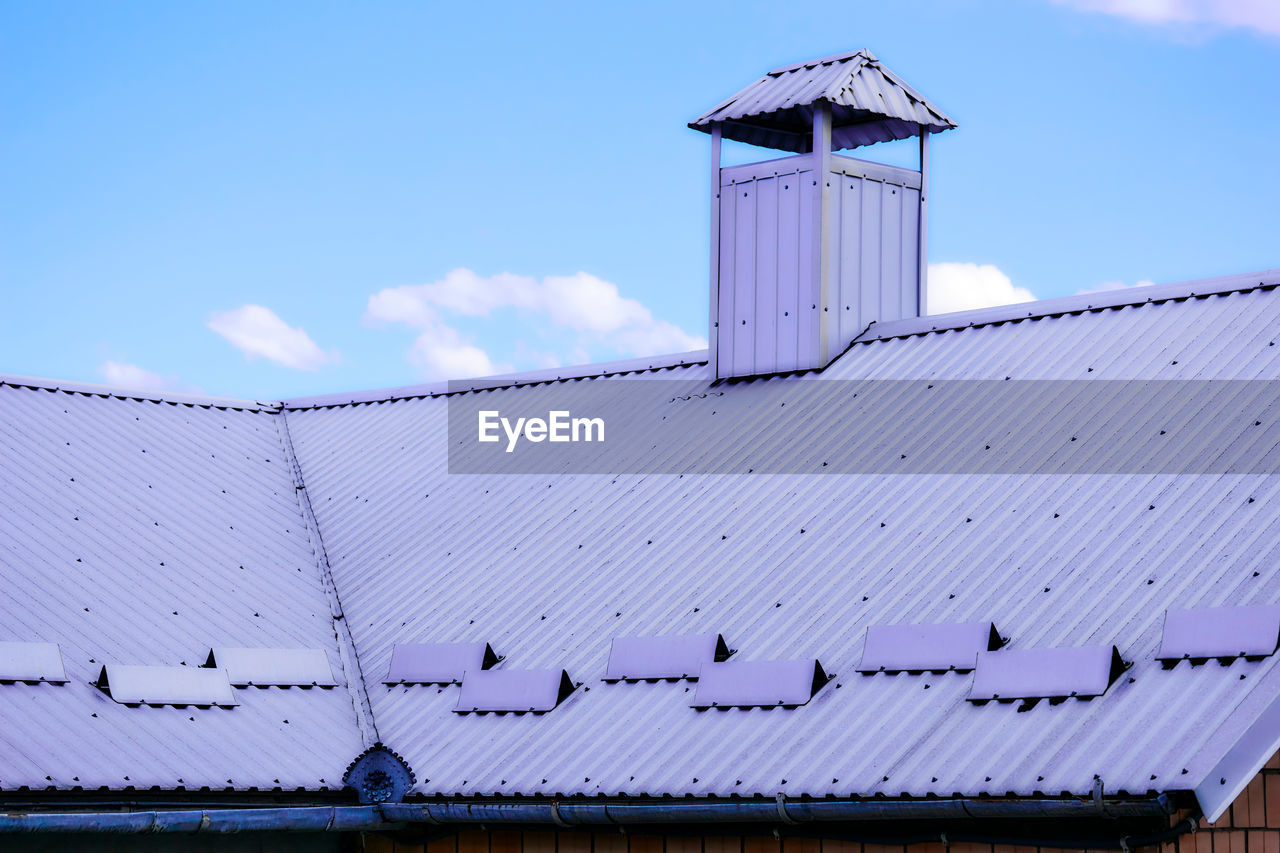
348	655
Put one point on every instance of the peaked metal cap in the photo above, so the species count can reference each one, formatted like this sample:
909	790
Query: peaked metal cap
869	103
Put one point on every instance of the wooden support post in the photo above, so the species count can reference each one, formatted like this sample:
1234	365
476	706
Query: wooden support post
822	221
713	328
922	251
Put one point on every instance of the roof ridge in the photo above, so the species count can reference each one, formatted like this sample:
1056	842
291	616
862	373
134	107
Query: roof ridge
94	390
867	56
505	380
1074	304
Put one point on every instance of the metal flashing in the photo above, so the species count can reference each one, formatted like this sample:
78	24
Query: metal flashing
1061	673
437	663
513	690
921	648
31	662
758	683
668	657
166	685
1219	632
273	667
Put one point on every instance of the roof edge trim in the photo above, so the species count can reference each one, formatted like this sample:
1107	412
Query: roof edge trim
1069	304
1246	757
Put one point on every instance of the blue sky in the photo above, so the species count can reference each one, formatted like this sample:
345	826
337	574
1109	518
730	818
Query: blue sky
276	199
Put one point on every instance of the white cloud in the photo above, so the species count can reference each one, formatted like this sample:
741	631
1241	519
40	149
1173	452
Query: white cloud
1116	285
589	304
258	331
962	286
1261	15
657	338
442	353
131	376
588	317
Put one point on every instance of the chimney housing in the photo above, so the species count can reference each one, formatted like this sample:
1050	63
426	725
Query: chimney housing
807	250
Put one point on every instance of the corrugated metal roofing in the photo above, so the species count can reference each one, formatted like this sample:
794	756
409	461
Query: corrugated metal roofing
185	519
869	104
799	566
139	530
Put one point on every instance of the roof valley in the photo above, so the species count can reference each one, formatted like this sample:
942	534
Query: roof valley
353	675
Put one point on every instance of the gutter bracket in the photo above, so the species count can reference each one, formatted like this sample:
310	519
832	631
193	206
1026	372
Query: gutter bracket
555	815
782	810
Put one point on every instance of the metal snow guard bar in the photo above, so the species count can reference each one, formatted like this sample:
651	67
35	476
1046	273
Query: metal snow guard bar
562	813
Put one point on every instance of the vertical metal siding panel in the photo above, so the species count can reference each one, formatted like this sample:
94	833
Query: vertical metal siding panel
890	252
851	250
836	308
907	259
765	334
870	254
744	303
728	280
808	290
787	311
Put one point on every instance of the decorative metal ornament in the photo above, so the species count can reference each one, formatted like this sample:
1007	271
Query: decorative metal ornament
379	775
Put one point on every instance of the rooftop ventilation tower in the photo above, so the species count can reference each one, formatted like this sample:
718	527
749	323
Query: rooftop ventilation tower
807	250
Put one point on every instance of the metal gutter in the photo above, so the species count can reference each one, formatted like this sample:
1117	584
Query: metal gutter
779	810
288	819
392	816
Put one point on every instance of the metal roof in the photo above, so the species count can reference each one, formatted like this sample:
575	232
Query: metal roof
144	530
792	566
869	103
